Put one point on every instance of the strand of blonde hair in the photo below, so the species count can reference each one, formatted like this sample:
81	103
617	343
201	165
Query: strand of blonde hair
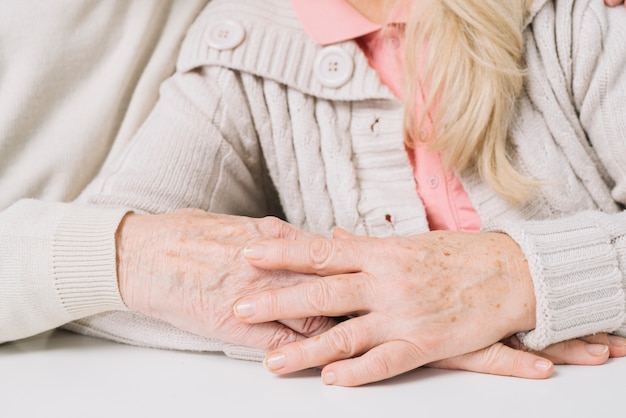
469	53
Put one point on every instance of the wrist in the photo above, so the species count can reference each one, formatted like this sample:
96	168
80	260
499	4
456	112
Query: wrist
522	305
125	249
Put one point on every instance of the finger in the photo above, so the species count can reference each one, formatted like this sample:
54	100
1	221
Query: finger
320	256
325	296
381	362
577	351
501	360
310	327
613	2
616	344
267	337
346	340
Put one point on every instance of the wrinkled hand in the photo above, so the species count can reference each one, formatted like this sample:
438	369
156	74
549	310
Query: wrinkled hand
187	268
413	301
510	358
613	2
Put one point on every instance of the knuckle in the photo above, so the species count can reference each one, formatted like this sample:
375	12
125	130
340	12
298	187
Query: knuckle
502	360
281	337
318	295
378	366
495	358
272	226
342	343
320	252
516	363
315	325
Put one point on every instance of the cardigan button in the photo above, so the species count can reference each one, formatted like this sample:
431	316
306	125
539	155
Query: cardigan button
226	34
333	66
433	182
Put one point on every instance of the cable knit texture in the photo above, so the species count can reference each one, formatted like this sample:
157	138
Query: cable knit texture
252	131
235	125
76	83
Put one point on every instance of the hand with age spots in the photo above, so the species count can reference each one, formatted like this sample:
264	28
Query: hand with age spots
510	358
412	301
187	268
391	339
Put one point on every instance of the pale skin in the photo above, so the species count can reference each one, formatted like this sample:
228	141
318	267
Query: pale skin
187	268
367	347
432	300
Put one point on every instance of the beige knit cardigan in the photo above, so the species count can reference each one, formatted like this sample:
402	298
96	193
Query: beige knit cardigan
240	130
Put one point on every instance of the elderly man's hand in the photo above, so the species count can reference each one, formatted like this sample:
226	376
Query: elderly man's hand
187	268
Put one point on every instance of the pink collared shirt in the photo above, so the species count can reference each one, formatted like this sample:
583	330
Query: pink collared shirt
331	21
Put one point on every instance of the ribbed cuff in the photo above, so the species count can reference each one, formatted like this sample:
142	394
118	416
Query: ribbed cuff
575	271
84	260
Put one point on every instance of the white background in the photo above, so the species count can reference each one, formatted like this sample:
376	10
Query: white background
60	374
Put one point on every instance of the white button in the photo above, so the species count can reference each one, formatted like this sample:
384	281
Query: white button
433	182
333	66
226	34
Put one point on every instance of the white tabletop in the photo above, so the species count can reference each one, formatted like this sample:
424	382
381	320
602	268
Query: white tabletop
60	374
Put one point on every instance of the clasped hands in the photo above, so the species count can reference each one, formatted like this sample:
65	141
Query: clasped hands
442	299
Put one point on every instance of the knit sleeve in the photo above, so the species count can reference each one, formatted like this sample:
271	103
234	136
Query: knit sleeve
599	88
195	150
578	262
58	265
578	265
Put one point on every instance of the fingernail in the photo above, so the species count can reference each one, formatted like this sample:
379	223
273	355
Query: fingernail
597	349
275	362
329	378
254	251
245	308
543	365
617	341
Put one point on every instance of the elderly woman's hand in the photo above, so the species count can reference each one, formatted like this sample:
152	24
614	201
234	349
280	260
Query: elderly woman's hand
510	358
411	301
187	268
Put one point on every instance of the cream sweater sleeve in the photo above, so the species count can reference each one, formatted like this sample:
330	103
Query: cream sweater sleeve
57	264
77	79
196	149
578	262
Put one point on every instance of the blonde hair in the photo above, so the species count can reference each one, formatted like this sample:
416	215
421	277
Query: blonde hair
469	54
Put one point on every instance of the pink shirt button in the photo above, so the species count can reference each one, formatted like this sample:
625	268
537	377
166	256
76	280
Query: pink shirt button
331	21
